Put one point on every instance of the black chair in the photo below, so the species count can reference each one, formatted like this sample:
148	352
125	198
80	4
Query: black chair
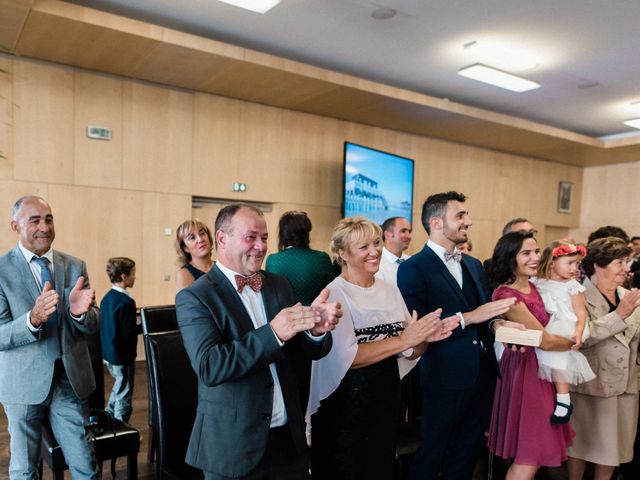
155	319
175	395
158	319
119	439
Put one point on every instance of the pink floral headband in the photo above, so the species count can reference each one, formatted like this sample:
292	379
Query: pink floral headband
568	249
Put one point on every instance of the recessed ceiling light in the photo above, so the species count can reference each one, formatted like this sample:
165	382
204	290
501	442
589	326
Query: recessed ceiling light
494	54
498	78
384	13
258	6
635	123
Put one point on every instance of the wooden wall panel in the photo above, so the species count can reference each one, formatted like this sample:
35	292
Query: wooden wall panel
260	162
498	187
98	102
43	119
216	140
552	233
157	276
173	144
11	191
158	138
312	159
6	117
95	224
610	196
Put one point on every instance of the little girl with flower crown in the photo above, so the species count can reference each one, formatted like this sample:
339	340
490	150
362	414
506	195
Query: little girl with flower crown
564	300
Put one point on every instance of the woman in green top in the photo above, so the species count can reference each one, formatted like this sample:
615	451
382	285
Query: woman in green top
308	271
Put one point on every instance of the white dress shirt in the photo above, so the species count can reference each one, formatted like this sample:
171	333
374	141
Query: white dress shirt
454	267
254	305
389	266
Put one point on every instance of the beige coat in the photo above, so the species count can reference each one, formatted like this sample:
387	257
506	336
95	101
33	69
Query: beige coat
612	349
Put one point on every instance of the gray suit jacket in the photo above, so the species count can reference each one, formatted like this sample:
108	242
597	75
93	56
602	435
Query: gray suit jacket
231	359
27	359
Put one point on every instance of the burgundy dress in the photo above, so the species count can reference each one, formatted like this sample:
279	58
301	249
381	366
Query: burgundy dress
520	422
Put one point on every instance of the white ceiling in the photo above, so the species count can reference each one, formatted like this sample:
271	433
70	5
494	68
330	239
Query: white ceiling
586	50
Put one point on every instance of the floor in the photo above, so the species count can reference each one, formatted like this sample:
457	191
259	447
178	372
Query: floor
146	471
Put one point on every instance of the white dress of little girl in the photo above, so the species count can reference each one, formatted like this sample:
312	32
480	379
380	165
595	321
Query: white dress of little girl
570	366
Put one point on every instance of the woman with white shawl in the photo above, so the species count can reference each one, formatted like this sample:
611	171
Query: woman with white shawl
353	411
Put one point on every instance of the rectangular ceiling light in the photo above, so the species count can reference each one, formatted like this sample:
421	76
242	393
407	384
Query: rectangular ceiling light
635	123
259	6
498	78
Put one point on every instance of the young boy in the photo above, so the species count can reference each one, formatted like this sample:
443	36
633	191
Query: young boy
118	335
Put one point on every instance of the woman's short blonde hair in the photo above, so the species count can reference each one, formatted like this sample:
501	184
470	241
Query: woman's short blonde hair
347	230
182	232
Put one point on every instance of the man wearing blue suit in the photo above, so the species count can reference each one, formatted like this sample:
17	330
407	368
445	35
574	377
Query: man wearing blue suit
457	375
250	344
46	307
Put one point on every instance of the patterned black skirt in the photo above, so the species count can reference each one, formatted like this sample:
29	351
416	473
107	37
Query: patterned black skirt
354	432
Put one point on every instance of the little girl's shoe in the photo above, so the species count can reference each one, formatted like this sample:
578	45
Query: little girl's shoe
561	419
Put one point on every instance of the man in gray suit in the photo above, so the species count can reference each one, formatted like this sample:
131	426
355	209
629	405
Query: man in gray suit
249	343
46	307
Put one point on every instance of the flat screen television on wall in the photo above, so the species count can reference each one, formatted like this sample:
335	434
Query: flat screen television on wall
377	184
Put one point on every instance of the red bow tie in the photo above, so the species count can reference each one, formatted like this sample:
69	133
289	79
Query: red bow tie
254	281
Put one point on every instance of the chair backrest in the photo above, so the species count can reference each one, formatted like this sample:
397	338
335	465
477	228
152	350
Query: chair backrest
96	399
158	319
175	391
155	319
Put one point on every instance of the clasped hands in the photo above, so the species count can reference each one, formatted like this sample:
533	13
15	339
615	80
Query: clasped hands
80	302
322	316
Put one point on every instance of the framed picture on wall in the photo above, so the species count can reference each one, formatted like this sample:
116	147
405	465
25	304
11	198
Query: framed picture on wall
565	197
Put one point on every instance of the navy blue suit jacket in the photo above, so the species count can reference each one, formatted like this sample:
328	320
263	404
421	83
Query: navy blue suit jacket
118	331
426	285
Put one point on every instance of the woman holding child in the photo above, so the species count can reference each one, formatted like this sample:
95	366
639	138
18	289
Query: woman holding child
521	426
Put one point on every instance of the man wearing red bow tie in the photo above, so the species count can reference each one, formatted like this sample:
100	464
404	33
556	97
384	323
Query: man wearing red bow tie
250	343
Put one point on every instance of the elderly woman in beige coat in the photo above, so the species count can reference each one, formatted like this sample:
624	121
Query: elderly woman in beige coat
606	408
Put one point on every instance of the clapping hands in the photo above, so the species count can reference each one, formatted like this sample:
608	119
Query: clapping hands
322	316
429	328
81	299
45	306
